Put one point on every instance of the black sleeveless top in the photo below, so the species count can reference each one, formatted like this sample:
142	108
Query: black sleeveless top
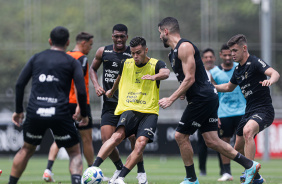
202	89
111	64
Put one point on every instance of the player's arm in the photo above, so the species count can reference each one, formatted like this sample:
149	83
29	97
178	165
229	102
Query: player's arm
227	87
97	61
186	55
162	72
22	81
111	92
274	77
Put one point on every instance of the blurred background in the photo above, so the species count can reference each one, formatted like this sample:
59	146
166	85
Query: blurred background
25	26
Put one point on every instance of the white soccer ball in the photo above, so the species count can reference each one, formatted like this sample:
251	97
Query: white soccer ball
92	175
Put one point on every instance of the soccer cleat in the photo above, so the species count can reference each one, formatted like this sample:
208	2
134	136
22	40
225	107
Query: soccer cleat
186	181
114	177
142	178
106	178
255	181
251	173
48	176
119	180
226	177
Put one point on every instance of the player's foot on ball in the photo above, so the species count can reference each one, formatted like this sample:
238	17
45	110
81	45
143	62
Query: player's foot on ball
48	176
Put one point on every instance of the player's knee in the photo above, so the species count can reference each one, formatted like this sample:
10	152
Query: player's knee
140	146
179	137
248	134
211	144
117	137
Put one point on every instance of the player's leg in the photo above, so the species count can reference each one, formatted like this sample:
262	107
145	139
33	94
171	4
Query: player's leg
88	150
240	144
53	152
249	132
203	154
20	161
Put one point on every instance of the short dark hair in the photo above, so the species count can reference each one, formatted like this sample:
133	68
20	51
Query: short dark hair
120	27
170	23
59	36
224	47
239	39
137	41
83	36
208	50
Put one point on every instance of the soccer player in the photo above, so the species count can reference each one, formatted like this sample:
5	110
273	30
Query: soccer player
111	56
52	72
83	46
231	105
251	75
138	83
201	112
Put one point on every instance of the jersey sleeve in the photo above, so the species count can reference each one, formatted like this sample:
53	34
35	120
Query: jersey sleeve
80	87
233	78
261	66
83	61
22	81
160	64
121	67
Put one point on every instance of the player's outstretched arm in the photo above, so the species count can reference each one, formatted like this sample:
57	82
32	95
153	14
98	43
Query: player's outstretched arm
162	75
274	77
227	87
97	61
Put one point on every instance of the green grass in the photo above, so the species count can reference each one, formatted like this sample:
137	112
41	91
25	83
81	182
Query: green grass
160	170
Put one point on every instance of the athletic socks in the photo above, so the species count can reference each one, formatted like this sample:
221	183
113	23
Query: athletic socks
123	172
13	180
242	160
50	164
226	168
98	161
140	167
190	173
118	164
75	179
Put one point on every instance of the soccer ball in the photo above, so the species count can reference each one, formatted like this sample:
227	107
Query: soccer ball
92	175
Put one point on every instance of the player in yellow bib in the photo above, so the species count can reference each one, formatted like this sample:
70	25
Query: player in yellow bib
138	83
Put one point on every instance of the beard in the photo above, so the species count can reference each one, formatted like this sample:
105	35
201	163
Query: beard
165	42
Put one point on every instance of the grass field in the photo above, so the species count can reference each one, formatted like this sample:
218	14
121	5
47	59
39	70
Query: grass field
160	170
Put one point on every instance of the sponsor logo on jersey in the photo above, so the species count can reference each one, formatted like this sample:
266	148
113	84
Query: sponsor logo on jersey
248	63
115	64
150	131
108	51
46	112
256	116
137	81
48	78
246	75
213	120
122	120
62	138
47	99
127	54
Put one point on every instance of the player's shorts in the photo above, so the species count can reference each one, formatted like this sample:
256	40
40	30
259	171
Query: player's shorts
108	116
200	115
229	126
263	116
140	124
72	107
64	131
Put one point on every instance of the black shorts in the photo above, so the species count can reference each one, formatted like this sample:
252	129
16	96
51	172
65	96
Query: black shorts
140	124
263	116
200	115
229	126
64	131
108	116
72	107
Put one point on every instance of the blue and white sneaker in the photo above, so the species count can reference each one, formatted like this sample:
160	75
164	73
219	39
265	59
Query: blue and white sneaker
255	181
186	181
251	173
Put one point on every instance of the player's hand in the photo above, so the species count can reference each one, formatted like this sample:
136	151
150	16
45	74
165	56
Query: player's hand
84	121
266	83
219	123
99	91
148	77
17	118
182	97
165	102
76	115
109	93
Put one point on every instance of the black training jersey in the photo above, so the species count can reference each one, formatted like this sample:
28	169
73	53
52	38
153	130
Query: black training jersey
248	77
52	72
111	64
202	89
